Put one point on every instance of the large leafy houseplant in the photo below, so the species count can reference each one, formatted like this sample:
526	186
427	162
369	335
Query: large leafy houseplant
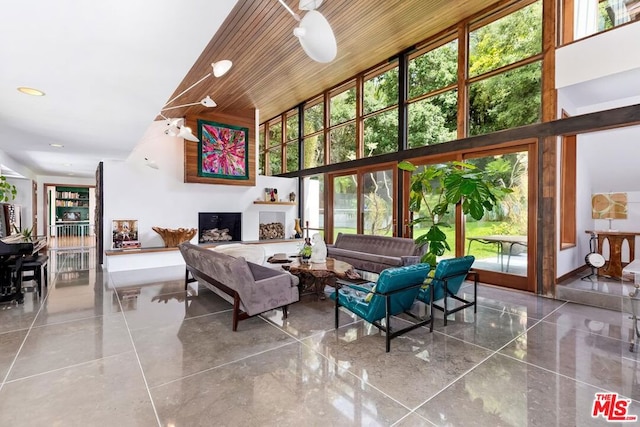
439	188
8	191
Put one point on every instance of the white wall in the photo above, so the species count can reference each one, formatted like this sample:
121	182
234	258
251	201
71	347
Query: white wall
159	197
607	161
597	74
605	54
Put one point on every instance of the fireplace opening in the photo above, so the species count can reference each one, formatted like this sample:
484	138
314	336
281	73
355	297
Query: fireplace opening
219	227
271	225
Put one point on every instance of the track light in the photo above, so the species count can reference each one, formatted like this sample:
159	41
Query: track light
176	127
205	102
218	69
151	163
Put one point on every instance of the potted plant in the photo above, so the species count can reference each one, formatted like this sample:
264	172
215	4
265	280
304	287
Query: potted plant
306	251
8	191
438	188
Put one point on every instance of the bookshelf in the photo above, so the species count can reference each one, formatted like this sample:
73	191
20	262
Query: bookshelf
72	204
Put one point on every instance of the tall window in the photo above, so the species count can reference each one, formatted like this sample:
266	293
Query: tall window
568	191
433	98
313	134
505	71
380	104
261	150
313	187
342	131
274	147
291	141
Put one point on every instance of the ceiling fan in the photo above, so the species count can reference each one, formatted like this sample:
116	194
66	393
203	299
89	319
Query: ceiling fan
314	31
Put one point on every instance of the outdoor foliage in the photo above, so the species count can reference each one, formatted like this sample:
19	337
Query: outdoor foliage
451	183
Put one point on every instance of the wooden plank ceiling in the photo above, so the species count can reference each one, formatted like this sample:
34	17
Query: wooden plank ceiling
270	70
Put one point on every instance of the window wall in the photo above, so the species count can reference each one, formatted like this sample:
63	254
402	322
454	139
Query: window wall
490	82
361	117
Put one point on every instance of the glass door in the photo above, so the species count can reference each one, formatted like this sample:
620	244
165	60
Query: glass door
377	202
363	202
345	204
502	241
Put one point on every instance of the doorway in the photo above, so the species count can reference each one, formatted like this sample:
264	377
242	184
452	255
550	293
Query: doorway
503	242
69	216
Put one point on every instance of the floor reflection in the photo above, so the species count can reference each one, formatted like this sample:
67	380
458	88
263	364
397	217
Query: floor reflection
138	341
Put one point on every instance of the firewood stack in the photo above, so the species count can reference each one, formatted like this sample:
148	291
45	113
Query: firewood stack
274	230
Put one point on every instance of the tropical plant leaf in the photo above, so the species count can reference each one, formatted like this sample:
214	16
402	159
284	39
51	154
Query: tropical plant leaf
406	166
476	210
421	220
467	186
435	234
441	208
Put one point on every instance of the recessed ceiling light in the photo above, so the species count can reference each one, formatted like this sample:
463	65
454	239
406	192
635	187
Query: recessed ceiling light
66	164
30	91
57	145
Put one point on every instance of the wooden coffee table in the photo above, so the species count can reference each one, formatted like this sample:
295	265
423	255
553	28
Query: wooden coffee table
315	276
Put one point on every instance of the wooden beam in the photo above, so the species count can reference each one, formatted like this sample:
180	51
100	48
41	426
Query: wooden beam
585	123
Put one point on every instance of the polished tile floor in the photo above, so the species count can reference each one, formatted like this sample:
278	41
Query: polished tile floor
133	349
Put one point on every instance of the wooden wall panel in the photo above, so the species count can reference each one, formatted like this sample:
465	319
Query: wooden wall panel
244	118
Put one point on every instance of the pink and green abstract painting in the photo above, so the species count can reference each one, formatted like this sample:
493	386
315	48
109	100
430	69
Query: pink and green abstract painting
222	151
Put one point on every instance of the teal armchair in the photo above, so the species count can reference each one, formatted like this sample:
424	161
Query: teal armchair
447	279
394	293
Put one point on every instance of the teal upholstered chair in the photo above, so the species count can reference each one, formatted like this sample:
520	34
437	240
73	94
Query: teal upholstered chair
446	281
394	293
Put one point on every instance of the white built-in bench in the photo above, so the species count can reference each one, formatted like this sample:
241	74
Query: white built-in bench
141	258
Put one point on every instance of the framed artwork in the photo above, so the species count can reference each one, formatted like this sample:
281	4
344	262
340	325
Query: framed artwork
223	151
124	233
609	206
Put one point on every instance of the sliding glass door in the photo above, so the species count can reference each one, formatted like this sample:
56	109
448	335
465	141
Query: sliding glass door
377	203
362	201
502	241
345	204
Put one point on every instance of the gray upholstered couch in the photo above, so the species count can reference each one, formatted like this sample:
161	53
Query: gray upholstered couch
251	288
375	253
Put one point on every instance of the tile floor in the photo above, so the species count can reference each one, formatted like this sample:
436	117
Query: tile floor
134	349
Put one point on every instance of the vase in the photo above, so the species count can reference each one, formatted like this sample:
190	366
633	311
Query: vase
297	229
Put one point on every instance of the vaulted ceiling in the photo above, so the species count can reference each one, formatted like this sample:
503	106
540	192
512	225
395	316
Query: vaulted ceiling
108	68
271	72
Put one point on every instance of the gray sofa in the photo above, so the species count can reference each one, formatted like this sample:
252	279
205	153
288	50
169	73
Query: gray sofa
375	253
251	288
